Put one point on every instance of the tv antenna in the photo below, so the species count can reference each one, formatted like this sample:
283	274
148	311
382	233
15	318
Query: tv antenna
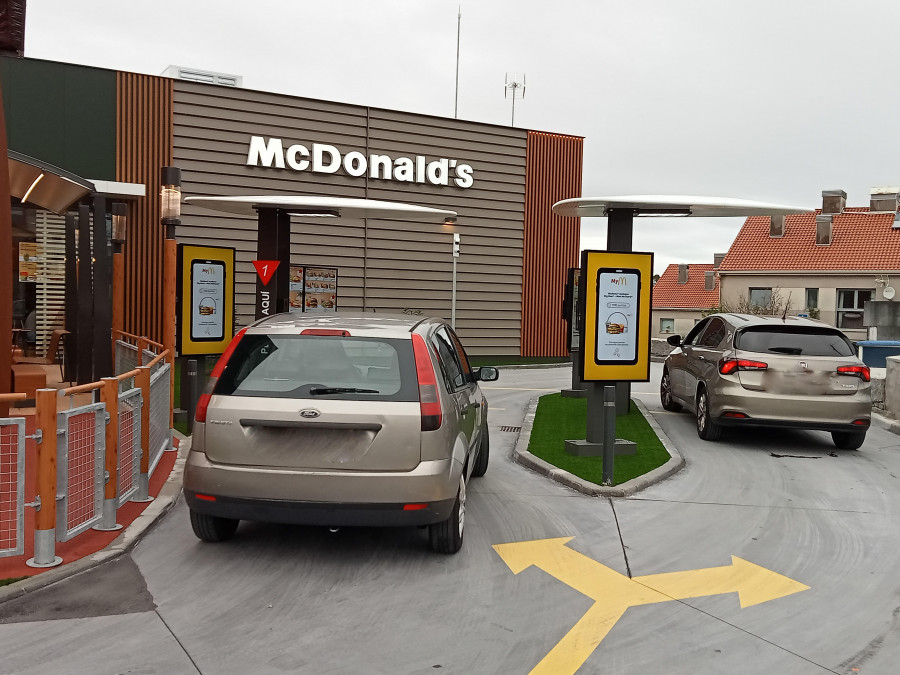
514	87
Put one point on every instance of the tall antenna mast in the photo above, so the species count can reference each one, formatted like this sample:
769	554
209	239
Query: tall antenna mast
514	87
458	29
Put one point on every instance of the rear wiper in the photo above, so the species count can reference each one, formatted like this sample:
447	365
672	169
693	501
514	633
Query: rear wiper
786	350
321	391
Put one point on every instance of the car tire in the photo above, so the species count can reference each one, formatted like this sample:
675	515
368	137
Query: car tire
213	528
484	452
447	536
665	394
707	429
848	440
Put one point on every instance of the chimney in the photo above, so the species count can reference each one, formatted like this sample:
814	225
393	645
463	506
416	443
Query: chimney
776	226
823	230
717	259
884	199
710	279
833	201
683	274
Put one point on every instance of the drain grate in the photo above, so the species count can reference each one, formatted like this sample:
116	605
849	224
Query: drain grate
513	429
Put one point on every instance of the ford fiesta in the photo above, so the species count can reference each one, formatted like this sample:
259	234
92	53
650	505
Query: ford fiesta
339	420
741	369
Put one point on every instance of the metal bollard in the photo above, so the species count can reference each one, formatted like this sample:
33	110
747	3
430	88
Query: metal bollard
609	434
189	401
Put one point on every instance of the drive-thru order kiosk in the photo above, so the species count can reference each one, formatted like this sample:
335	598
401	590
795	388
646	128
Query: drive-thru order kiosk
609	357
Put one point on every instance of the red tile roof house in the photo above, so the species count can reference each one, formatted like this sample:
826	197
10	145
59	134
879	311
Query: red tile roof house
826	264
680	296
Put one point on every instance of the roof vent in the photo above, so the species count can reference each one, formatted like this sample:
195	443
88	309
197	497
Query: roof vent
776	226
833	201
823	230
683	274
204	76
710	280
884	199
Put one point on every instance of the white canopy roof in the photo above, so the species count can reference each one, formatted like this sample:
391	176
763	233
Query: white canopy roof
313	206
705	207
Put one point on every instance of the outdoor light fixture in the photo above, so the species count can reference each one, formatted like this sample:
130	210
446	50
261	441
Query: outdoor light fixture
661	213
31	189
316	213
170	194
450	221
119	222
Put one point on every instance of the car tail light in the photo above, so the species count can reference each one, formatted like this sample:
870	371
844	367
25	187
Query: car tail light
862	372
415	507
735	415
203	401
861	423
429	398
728	366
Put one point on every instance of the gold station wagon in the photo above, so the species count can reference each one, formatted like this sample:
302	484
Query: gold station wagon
339	420
742	369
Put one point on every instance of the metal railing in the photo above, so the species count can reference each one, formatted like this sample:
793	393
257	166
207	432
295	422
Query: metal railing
93	458
12	482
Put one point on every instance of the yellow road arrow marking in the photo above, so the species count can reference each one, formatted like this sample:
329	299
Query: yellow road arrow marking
614	593
753	584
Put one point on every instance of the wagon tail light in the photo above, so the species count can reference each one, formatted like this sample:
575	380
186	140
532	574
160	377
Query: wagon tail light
203	401
862	372
728	366
429	399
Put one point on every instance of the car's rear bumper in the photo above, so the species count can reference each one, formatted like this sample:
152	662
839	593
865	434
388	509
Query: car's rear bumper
825	413
329	514
322	497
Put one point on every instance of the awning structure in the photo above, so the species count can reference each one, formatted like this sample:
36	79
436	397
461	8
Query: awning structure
671	205
329	207
44	185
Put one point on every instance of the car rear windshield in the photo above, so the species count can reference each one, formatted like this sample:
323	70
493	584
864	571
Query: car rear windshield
317	367
793	340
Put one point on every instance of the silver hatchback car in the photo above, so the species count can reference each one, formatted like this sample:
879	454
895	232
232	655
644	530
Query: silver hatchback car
340	420
742	369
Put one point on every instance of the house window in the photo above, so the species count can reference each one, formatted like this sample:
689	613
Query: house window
812	298
850	304
667	325
760	297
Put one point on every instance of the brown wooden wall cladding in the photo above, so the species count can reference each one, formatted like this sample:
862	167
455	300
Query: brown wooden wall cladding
384	266
552	243
144	134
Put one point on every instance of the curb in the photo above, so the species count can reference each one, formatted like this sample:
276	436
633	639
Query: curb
526	459
131	535
885	422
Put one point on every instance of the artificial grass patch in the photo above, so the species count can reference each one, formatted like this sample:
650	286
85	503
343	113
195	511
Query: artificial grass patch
559	419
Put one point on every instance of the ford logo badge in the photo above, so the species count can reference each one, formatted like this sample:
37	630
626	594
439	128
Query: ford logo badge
309	413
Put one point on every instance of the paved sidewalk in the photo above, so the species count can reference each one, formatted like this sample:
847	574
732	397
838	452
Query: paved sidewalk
92	547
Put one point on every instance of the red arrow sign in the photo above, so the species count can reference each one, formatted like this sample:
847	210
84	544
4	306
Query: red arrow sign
266	269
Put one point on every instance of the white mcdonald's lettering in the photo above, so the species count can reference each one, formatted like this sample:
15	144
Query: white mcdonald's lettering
323	158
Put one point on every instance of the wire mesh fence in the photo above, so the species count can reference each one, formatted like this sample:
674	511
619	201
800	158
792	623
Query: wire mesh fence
12	486
126	357
160	407
129	454
80	451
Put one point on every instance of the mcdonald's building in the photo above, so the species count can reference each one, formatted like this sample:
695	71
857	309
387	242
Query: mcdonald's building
118	129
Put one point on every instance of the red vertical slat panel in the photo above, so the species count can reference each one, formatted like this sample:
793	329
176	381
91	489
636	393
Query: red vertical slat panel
551	243
144	121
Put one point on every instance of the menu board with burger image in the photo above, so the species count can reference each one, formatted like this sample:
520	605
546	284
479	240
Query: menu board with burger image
295	289
320	289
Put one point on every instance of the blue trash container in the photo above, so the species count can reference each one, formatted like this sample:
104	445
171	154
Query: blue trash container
874	352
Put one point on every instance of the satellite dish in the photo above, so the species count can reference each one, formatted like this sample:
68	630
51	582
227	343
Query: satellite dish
888	292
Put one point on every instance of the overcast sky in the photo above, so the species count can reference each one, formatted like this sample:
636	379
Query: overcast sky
773	100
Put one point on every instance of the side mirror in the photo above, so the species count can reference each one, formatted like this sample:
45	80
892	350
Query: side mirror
674	340
486	374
